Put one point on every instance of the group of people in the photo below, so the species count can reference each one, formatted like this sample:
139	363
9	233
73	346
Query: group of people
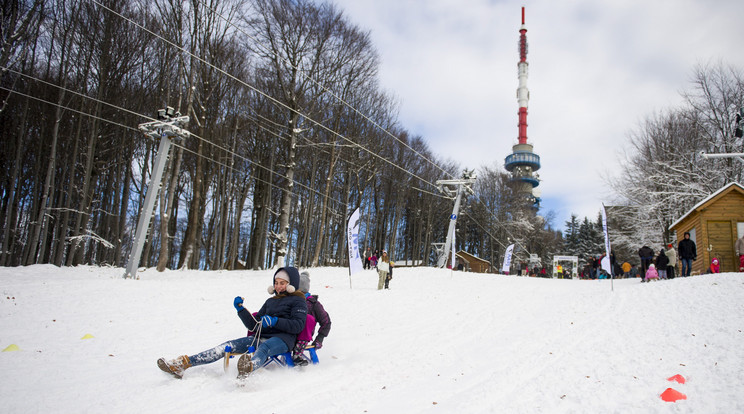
272	330
383	265
663	265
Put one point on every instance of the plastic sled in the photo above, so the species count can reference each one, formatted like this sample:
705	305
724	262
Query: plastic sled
304	341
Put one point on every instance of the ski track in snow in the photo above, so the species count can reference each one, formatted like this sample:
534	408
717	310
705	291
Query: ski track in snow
437	341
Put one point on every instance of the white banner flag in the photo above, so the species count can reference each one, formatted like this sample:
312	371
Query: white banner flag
352	232
606	260
507	258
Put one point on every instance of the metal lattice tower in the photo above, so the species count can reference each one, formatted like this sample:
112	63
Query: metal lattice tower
523	163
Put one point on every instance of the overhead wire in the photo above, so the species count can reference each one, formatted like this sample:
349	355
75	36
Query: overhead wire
271	99
275	101
153	119
323	87
116	107
364	168
253	88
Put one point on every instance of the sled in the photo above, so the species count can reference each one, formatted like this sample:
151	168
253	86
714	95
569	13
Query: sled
308	355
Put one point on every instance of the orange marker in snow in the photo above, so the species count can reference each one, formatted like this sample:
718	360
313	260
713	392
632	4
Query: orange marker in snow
672	395
677	378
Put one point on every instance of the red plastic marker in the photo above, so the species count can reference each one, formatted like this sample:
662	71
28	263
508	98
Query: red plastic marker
677	378
672	395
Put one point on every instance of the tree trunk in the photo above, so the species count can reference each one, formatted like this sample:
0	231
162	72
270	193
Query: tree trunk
286	204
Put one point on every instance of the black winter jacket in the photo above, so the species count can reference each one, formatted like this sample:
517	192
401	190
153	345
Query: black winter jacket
662	261
687	249
291	313
646	253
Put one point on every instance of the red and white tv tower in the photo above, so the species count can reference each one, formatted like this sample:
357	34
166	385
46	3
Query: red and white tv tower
522	162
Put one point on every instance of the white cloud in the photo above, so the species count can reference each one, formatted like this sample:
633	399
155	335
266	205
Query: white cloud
596	70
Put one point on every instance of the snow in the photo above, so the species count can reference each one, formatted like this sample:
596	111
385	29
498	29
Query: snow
437	341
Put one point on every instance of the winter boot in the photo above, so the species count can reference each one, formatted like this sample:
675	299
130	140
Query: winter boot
175	367
246	365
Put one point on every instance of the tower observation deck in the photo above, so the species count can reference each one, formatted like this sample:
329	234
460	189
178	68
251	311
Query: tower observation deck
523	163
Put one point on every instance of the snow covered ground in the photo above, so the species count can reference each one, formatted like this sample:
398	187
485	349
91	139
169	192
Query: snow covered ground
437	342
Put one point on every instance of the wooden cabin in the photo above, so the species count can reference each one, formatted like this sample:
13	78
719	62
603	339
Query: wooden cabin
473	263
714	225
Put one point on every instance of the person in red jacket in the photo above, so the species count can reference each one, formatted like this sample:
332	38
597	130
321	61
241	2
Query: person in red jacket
715	267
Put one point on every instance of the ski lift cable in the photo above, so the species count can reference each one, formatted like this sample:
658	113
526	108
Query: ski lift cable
323	87
218	146
216	161
180	146
302	196
69	109
270	98
497	221
364	168
152	119
484	229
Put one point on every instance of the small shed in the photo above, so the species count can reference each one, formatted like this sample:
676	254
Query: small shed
473	263
714	225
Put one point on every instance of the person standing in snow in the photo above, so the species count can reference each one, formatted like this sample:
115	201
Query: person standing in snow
671	254
389	276
647	256
273	330
383	268
316	309
661	264
739	247
367	254
687	253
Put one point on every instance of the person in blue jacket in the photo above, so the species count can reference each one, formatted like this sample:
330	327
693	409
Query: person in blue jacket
273	330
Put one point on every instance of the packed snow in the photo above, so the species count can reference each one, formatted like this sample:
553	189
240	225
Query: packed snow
437	342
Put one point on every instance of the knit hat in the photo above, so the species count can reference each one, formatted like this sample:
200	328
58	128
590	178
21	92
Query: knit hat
669	245
291	275
305	281
652	266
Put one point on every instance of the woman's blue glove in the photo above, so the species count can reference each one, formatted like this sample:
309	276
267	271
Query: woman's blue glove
238	303
268	321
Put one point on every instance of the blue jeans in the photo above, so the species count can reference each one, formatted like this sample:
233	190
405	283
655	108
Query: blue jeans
266	347
686	267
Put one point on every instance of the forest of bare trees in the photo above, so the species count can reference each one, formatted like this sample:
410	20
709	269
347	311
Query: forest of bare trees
290	133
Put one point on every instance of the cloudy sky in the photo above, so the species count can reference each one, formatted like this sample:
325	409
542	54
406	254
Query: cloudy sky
597	69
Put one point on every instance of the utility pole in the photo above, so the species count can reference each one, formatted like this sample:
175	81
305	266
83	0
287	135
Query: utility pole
462	185
167	128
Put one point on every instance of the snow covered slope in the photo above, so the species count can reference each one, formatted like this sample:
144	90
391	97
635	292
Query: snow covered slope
438	342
